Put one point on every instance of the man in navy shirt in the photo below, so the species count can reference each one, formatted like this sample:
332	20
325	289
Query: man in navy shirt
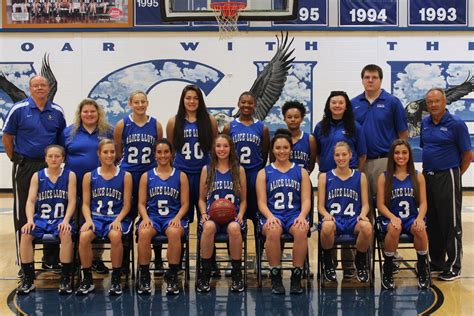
30	126
383	120
446	156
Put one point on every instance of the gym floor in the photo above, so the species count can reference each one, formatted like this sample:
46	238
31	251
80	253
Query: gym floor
449	298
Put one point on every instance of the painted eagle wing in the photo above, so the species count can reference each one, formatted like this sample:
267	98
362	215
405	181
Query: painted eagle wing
15	93
269	84
47	72
457	92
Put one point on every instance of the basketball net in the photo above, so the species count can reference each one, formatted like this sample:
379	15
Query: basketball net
227	15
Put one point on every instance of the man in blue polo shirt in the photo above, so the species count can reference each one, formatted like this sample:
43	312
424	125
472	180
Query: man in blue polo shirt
383	120
446	156
30	126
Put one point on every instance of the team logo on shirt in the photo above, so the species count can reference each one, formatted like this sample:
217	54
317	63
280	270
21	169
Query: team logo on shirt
381	106
443	129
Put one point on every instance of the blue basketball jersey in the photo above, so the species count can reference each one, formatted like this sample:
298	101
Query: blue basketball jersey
138	142
283	190
343	197
52	198
223	188
248	143
403	202
190	158
107	195
301	151
163	197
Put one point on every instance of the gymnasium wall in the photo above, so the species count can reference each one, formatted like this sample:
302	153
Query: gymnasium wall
107	66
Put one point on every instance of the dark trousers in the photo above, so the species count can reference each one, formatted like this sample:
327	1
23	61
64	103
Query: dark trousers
444	195
21	177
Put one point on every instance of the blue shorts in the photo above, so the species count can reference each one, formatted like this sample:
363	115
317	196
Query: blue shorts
252	205
193	180
407	222
102	225
223	228
48	226
286	222
344	225
160	224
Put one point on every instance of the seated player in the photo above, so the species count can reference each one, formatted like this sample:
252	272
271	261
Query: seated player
222	178
163	202
49	210
106	195
343	205
401	200
284	201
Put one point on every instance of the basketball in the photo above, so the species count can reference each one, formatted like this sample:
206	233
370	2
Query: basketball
222	211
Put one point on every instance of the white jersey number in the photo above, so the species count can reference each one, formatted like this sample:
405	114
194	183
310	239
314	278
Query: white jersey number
336	209
133	153
110	205
245	153
46	211
280	201
229	197
406	209
163	208
188	153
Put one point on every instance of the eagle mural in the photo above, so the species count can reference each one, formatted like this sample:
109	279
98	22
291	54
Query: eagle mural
417	109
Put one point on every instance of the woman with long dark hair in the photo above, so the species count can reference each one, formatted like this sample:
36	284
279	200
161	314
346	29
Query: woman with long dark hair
401	200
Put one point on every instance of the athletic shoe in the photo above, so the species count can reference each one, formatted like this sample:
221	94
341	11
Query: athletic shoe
449	276
65	285
172	287
329	272
387	277
277	283
395	267
86	287
295	285
361	272
20	274
348	274
54	267
144	284
99	267
26	286
203	285
115	286
237	281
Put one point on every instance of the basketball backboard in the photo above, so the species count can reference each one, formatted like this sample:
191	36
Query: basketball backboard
255	10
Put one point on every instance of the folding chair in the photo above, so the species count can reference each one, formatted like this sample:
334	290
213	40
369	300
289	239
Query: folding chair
286	238
162	240
219	239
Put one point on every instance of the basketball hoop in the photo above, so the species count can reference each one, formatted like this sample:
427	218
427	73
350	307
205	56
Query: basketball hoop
227	14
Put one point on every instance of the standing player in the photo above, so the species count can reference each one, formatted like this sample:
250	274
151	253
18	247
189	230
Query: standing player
49	210
80	140
343	203
107	192
222	178
304	144
134	137
284	191
163	204
191	133
251	138
401	199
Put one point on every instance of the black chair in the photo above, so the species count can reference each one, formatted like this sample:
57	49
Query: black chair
405	242
343	241
49	239
286	239
221	241
162	240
